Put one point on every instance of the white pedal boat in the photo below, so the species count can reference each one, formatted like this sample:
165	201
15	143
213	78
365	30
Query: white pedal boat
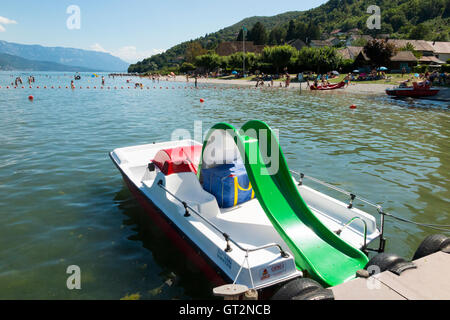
259	258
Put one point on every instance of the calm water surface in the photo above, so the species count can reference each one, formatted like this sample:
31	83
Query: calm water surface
62	201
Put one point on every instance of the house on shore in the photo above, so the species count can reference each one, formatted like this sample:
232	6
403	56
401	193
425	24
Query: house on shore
336	33
333	41
441	50
354	37
403	59
421	46
319	44
350	52
297	44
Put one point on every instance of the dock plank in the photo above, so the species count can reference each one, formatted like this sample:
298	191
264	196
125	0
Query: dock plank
430	281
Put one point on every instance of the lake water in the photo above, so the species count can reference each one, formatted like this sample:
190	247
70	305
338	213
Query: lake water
62	201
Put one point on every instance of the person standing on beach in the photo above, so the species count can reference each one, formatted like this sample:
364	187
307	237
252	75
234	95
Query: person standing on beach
347	80
288	80
195	77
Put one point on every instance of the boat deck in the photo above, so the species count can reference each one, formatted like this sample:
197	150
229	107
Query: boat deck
430	281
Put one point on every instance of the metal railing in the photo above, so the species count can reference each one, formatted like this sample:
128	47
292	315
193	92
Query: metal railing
353	197
349	223
188	210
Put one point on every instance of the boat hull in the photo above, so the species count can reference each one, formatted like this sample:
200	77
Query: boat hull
329	87
412	93
206	266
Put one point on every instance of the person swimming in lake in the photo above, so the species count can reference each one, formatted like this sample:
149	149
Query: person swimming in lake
103	81
72	85
288	80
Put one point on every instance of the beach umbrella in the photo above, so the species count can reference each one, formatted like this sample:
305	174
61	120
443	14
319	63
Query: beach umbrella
234	72
335	73
417	75
356	71
382	69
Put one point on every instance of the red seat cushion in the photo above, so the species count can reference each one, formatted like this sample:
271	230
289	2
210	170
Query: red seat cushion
178	160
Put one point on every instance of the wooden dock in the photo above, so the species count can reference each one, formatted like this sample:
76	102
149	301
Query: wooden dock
430	281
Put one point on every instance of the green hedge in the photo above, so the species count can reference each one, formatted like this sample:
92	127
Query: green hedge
445	68
420	69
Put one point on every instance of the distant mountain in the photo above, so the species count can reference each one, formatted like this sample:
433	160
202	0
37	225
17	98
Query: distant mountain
401	19
90	60
14	63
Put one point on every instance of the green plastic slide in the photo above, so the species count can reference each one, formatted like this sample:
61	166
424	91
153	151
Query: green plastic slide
318	252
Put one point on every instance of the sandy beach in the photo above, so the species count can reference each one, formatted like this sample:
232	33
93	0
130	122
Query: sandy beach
354	88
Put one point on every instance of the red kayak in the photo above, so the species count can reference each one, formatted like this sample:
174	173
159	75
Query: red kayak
329	87
416	91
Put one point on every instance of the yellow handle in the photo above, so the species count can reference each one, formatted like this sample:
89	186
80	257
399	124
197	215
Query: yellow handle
237	187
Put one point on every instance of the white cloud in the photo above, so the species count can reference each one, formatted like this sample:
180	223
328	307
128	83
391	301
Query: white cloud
128	53
97	47
5	21
131	53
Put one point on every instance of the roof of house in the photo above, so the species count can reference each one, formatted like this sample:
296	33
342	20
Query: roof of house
419	45
360	36
336	31
431	59
321	43
297	43
401	56
404	56
440	47
350	52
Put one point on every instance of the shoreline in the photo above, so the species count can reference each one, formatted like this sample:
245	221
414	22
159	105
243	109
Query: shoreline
354	88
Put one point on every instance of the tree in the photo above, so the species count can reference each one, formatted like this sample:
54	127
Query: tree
420	32
360	42
397	21
194	49
258	34
240	35
319	59
209	61
379	52
277	36
279	56
235	61
313	32
410	47
291	31
187	67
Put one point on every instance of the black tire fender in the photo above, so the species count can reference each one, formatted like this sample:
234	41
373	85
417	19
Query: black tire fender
430	245
383	262
320	294
296	288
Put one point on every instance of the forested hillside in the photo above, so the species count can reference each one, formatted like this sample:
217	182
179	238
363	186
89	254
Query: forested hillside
401	19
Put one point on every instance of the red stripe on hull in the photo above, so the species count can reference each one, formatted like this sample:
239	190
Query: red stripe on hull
176	237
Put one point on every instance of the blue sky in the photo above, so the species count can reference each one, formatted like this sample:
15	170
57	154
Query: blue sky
131	29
